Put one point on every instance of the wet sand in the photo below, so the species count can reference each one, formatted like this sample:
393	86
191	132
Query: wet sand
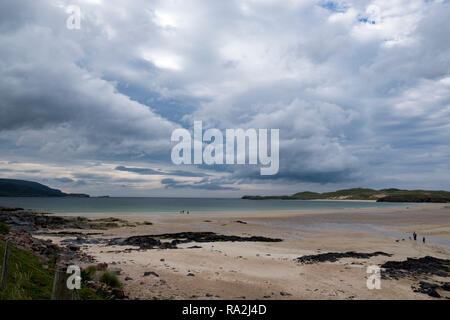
259	270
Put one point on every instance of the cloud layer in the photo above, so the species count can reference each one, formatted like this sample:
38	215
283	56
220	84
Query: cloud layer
359	90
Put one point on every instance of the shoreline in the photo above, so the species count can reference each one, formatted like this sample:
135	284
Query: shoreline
252	214
99	207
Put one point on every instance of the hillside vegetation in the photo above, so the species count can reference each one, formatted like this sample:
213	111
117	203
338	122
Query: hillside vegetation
383	195
23	188
30	277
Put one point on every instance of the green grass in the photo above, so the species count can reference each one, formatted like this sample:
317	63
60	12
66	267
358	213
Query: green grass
88	274
110	279
4	229
392	194
28	279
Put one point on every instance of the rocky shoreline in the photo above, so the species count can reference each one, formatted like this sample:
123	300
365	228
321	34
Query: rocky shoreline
30	221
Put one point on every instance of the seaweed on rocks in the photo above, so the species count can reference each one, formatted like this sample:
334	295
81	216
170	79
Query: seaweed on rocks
432	289
154	241
335	256
413	267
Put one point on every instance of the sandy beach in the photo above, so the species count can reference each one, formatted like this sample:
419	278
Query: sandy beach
269	270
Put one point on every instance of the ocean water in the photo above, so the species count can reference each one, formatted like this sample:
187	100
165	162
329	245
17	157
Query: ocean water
148	206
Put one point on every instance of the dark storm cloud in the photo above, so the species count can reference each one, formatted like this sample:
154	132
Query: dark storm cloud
204	185
147	171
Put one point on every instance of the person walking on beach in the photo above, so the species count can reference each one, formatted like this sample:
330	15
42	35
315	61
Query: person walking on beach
415	236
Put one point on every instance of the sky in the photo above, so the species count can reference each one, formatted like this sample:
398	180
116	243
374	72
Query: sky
360	91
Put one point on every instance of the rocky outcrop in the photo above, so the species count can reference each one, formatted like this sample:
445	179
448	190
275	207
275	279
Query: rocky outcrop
413	267
335	256
419	269
32	221
46	249
154	241
432	289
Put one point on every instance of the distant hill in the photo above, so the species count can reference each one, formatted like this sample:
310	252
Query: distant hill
383	195
22	188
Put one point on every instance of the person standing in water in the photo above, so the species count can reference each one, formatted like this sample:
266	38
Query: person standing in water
423	239
415	236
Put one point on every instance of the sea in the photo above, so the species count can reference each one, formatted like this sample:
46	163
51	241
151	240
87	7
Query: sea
148	206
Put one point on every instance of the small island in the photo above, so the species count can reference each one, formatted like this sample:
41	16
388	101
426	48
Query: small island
383	195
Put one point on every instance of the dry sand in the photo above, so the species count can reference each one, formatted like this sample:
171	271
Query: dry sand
256	270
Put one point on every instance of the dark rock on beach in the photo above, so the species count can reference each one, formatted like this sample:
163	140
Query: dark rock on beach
144	242
335	256
420	269
186	237
413	267
431	289
117	294
154	241
81	241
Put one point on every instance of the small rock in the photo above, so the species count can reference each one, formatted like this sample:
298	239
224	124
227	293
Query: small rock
102	266
118	294
116	271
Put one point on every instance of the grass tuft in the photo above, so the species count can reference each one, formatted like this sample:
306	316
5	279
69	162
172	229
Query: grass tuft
110	279
88	274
